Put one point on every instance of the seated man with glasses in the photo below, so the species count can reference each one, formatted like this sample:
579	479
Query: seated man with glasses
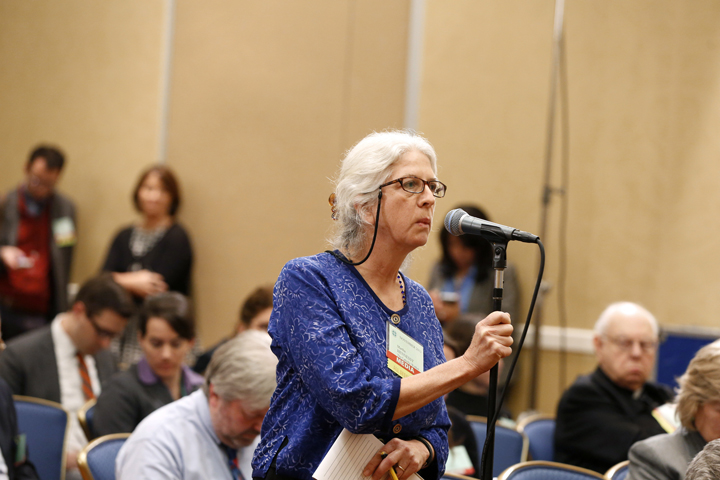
602	414
67	361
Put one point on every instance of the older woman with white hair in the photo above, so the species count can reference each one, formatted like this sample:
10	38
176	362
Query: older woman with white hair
359	346
666	457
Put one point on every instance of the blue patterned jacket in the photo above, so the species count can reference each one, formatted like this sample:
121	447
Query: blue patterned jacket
329	334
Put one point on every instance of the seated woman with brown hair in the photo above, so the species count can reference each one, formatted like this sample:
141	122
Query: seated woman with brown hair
166	332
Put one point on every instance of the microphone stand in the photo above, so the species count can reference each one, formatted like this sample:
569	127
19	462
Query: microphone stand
548	191
499	264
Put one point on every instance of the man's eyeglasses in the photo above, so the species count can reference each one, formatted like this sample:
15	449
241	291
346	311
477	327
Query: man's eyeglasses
626	344
102	333
36	181
417	185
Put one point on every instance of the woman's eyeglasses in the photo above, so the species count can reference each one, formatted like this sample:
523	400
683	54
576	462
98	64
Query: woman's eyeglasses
417	185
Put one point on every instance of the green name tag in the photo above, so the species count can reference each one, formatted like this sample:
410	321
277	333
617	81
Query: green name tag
20	449
64	232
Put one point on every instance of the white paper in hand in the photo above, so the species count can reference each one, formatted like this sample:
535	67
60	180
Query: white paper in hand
348	456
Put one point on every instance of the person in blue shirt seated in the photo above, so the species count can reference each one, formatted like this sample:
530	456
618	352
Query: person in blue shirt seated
166	332
211	433
358	343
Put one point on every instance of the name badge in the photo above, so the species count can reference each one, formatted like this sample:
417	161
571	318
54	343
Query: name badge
64	232
20	449
405	354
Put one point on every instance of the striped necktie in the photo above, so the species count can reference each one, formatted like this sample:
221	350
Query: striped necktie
85	377
233	462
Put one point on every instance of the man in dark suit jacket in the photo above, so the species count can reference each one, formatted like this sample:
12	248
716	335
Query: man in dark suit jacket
602	414
67	362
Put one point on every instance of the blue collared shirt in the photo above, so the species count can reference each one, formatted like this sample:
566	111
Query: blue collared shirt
329	333
178	441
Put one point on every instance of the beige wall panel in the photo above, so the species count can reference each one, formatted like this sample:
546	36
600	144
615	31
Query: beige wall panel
483	108
644	88
85	76
375	74
266	96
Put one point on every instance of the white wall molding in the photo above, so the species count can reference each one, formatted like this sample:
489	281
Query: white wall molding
577	340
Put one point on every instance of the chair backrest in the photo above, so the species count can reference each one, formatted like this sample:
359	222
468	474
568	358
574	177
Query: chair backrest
455	476
540	470
97	460
540	431
511	446
85	417
619	471
45	425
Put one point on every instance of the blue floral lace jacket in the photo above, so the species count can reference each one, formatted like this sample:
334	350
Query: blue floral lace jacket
329	334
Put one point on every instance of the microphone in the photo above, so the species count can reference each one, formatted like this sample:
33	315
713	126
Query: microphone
459	222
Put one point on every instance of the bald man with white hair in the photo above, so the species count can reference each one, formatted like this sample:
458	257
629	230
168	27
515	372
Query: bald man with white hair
602	414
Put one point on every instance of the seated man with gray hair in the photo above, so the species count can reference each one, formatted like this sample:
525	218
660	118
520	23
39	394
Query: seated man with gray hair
213	432
602	414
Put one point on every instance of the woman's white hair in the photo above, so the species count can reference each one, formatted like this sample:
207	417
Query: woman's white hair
365	167
626	309
243	369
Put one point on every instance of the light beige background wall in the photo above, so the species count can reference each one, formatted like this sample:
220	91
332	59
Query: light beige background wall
644	94
265	97
84	76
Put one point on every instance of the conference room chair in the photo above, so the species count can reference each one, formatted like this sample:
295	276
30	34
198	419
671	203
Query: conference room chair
541	470
45	425
97	460
540	431
619	471
511	446
85	417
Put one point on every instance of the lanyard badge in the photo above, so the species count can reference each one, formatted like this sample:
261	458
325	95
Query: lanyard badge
405	354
